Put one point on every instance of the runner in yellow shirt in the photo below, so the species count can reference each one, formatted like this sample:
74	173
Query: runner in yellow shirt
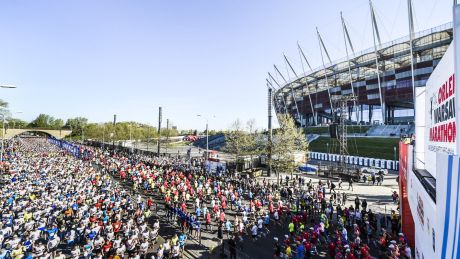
289	251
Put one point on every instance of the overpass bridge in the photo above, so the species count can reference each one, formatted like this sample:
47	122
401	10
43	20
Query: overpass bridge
58	134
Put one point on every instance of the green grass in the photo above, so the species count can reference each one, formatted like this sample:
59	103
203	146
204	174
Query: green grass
350	129
382	148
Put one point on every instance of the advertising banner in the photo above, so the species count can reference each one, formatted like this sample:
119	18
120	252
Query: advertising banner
423	210
447	206
440	126
362	161
405	166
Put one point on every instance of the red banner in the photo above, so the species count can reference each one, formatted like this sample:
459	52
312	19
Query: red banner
407	221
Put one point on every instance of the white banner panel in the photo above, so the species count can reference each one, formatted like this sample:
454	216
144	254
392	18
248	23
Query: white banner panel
423	211
447	207
440	127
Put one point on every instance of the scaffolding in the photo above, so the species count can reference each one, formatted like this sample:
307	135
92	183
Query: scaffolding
341	103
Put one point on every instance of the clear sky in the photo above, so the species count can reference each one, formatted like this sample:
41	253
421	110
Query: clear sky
99	58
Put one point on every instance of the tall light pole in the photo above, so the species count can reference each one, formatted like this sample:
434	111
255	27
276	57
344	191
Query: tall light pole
114	131
270	131
207	136
159	130
131	137
103	135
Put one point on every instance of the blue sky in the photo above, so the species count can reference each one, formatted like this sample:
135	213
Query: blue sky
99	58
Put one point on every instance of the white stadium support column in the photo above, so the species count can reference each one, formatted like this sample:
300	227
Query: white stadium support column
345	37
303	69
292	89
321	47
290	85
375	34
411	39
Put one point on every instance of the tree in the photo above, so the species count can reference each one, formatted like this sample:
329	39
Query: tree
250	145
43	121
57	124
77	125
17	123
234	140
242	143
287	141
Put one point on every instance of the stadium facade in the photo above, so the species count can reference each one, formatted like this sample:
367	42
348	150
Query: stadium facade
309	98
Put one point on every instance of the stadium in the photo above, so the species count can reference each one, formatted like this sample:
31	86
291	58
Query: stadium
385	97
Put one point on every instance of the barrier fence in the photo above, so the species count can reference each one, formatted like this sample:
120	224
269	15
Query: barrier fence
75	150
357	160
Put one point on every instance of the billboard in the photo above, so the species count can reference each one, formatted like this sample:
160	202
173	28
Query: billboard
447	206
405	166
423	210
440	128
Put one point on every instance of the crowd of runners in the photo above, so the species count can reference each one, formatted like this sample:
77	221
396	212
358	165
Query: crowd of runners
55	205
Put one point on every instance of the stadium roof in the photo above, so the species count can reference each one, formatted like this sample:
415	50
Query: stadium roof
337	71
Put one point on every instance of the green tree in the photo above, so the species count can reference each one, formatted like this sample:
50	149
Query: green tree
242	143
17	123
251	147
287	141
57	124
43	121
77	125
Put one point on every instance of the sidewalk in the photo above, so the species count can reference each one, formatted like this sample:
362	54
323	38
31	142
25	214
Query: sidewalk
378	197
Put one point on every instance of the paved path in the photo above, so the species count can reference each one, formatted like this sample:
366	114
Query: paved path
378	198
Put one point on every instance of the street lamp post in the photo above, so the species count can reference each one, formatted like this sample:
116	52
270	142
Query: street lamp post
131	137
114	131
147	139
207	136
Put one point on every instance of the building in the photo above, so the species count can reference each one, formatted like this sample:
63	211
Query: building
308	97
